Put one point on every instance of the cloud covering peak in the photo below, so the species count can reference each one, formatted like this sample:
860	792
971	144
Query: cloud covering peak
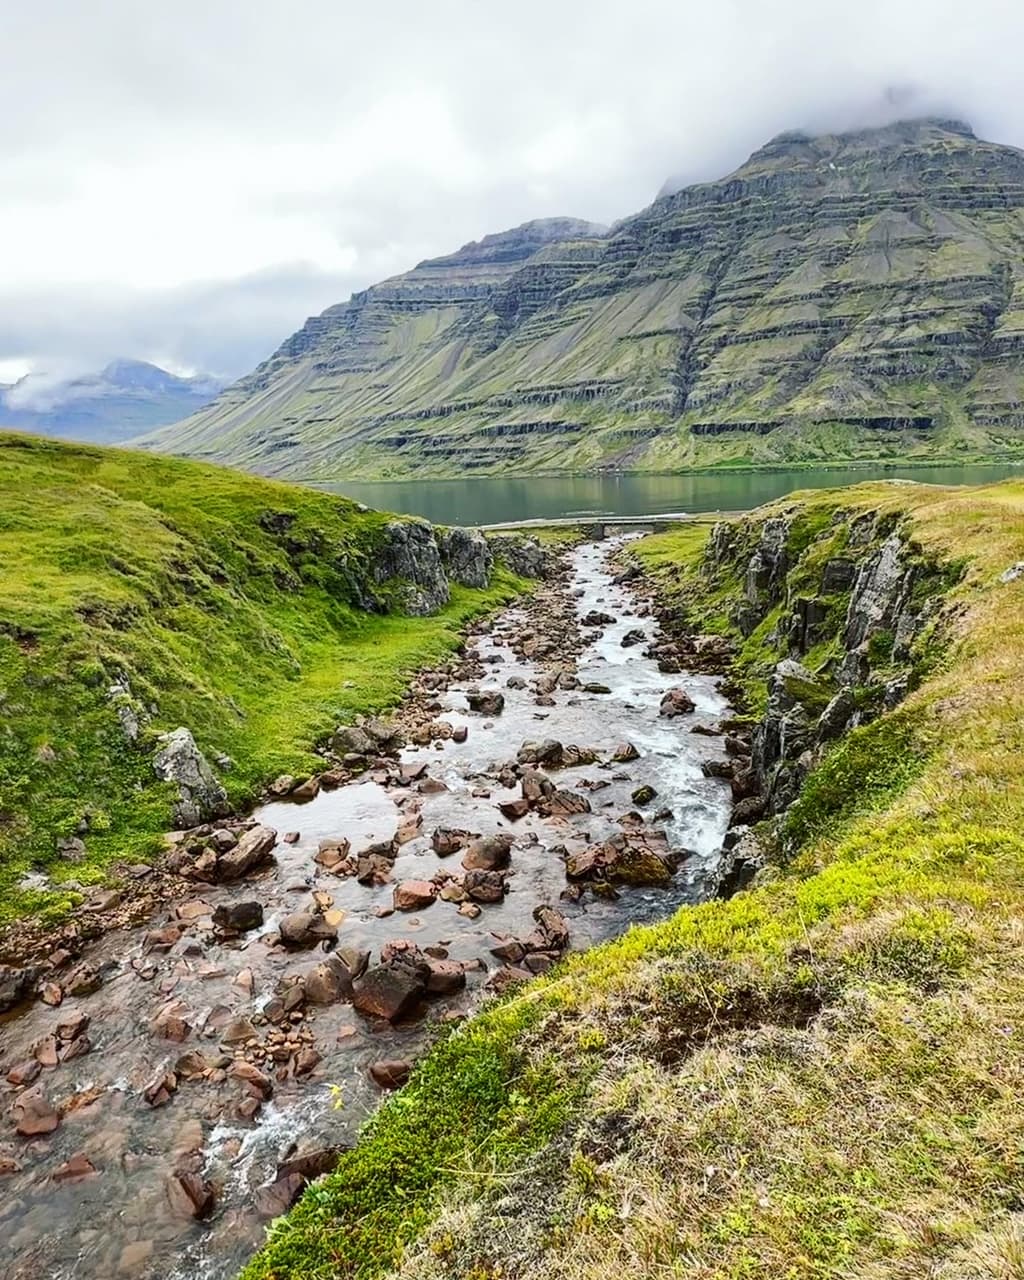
187	183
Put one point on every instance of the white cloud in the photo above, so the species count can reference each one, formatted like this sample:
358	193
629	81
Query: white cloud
192	180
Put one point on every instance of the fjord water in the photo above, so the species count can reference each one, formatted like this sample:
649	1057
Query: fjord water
488	500
118	1221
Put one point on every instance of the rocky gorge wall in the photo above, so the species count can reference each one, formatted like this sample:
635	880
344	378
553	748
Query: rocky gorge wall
824	619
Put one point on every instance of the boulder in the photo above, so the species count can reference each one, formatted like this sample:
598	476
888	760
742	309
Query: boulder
414	895
351	740
34	1116
24	1073
597	618
638	857
513	810
180	762
489	853
305	929
390	991
256	1081
486	702
634	637
190	1195
548	751
328	982
391	1073
484	886
562	803
305	791
445	977
643	795
83	980
79	1166
535	786
624	751
238	917
253	849
522	555
676	702
448	840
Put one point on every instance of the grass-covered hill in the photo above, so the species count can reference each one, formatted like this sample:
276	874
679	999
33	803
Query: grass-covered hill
855	297
136	590
819	1077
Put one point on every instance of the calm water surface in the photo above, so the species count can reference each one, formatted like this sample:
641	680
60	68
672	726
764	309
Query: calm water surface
497	499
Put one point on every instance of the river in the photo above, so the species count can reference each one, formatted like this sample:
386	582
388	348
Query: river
123	1218
489	500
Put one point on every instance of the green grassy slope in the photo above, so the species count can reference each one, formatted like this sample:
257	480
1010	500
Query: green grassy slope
222	602
817	1078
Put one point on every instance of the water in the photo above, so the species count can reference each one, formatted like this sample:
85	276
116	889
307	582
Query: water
497	500
120	1222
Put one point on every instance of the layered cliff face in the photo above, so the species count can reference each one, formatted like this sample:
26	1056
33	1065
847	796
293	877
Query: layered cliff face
850	296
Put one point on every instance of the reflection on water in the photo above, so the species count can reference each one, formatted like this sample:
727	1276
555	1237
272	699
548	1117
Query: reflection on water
496	499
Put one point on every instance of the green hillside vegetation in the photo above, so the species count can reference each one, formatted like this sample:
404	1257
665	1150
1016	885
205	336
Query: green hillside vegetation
202	597
819	1077
856	296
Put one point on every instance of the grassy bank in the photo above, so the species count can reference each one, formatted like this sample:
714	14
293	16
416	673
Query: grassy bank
819	1077
204	598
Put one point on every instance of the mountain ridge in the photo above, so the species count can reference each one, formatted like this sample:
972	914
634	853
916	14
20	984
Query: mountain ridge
107	407
855	295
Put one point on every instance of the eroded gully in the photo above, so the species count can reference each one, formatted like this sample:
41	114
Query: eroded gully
98	1197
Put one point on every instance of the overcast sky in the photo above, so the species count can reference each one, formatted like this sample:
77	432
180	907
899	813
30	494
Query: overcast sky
185	182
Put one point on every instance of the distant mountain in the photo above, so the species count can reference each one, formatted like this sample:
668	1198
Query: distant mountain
127	398
853	296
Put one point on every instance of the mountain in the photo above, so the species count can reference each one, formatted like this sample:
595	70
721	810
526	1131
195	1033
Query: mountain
844	296
126	398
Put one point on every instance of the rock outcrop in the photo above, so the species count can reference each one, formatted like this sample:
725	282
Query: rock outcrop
874	599
410	559
200	795
467	557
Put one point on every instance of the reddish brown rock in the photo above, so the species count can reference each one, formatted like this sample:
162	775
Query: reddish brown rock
253	849
23	1073
676	702
490	853
257	1082
34	1116
414	895
389	991
73	1170
446	977
190	1195
449	840
484	886
392	1073
306	1061
563	803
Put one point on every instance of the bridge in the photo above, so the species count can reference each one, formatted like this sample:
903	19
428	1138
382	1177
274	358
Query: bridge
598	527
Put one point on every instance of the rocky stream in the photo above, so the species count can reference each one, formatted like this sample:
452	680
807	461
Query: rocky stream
172	1090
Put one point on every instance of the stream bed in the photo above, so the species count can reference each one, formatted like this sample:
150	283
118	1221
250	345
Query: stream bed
117	1214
